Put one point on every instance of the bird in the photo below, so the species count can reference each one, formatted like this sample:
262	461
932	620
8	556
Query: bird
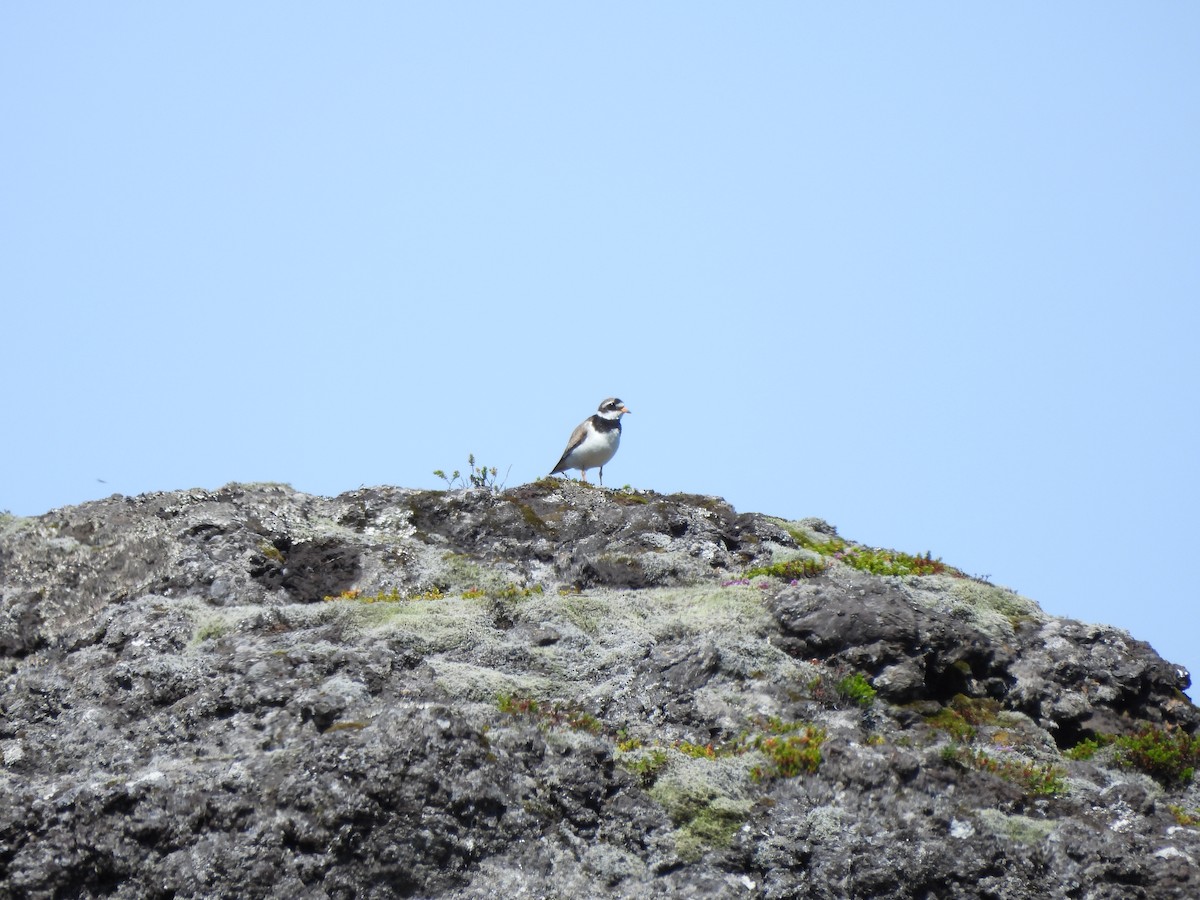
595	441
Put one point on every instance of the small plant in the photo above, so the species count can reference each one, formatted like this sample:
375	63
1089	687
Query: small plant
1034	779
976	710
705	751
892	562
512	705
578	720
270	551
627	496
1169	755
789	754
1088	747
1184	817
548	716
840	686
857	688
963	715
951	722
392	595
515	592
211	630
477	477
876	561
790	570
825	548
776	725
791	748
646	767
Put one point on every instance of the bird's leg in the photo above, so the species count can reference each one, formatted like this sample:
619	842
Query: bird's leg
583	475
602	476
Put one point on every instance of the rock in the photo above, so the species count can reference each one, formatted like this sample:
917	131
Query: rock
556	690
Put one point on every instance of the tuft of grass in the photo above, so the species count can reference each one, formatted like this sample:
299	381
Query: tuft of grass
508	592
976	710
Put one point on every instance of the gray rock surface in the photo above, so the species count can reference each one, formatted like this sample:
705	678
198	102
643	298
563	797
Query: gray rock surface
556	691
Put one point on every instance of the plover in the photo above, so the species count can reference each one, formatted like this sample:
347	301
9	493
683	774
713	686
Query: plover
595	441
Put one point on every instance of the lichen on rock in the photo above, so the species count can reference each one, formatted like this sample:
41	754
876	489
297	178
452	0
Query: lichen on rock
556	690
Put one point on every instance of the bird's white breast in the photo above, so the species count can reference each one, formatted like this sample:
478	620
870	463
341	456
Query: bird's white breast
597	449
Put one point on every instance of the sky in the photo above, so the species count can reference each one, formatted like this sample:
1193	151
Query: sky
927	271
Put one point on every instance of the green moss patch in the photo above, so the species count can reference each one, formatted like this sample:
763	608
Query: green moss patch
705	801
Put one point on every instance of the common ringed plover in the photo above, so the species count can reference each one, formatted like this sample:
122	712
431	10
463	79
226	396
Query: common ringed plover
595	441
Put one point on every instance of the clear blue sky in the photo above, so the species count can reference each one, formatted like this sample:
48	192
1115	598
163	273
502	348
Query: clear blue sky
928	271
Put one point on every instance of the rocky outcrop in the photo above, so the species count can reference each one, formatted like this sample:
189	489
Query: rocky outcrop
557	691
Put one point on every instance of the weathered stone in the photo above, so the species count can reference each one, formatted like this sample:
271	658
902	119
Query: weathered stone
556	691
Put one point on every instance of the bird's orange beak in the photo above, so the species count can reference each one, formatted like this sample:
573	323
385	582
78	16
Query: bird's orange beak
625	409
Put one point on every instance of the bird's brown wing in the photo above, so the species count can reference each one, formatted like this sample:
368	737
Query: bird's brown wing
575	440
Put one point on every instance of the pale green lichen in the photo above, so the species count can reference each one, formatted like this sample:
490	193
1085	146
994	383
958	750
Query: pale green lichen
210	630
482	684
994	610
1021	829
706	800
